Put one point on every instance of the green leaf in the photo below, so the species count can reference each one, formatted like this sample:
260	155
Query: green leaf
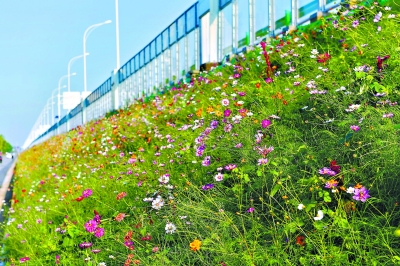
246	178
397	126
259	173
275	189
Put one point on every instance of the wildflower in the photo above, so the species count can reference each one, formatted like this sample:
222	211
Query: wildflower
219	177
327	171
389	115
170	228
207	186
319	216
157	203
392	16
265	123
120	217
355	128
331	183
355	23
225	102
195	245
236	119
227	112
121	195
250	210
268	80
214	124
262	161
91	226
380	61
87	193
378	17
99	232
300	240
102	264
164	179
206	161
22	260
301	206
155	249
361	194
39	221
230	167
323	58
350	190
352	107
85	245
129	244
95	251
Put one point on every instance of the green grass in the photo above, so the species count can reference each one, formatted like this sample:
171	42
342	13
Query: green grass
268	214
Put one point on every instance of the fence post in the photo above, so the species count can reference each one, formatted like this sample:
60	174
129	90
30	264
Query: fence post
115	101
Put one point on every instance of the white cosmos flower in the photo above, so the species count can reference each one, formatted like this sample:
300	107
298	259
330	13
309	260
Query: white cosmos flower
170	228
301	206
319	216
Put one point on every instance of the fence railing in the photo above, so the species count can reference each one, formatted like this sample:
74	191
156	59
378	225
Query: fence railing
205	32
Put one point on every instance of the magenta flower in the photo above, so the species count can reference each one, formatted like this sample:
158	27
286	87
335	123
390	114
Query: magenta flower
355	128
91	226
268	80
250	210
99	232
361	194
227	112
265	123
87	193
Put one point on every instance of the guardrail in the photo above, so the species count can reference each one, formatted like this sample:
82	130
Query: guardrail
207	31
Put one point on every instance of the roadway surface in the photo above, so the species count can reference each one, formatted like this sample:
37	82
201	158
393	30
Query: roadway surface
4	166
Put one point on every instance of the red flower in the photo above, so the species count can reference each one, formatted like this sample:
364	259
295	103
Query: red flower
80	198
300	240
322	58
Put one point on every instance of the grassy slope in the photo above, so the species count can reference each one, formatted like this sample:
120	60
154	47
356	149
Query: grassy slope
252	216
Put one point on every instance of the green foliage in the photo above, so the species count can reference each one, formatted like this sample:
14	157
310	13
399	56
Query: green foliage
264	168
4	145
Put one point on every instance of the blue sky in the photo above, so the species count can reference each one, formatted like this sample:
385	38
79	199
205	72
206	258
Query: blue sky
39	37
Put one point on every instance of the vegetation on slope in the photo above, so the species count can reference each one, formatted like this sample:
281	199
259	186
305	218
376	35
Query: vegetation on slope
287	155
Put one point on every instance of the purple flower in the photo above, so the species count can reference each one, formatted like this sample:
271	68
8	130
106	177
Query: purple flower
87	193
85	245
239	145
91	226
230	167
327	171
250	210
95	251
262	161
241	93
214	124
361	194
227	112
389	115
355	128
128	243
265	123
206	161
207	186
355	23
99	232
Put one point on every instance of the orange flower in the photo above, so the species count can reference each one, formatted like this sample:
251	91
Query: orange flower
195	245
199	112
209	109
121	195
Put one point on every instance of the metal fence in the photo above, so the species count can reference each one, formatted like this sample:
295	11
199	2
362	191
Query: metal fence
206	32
